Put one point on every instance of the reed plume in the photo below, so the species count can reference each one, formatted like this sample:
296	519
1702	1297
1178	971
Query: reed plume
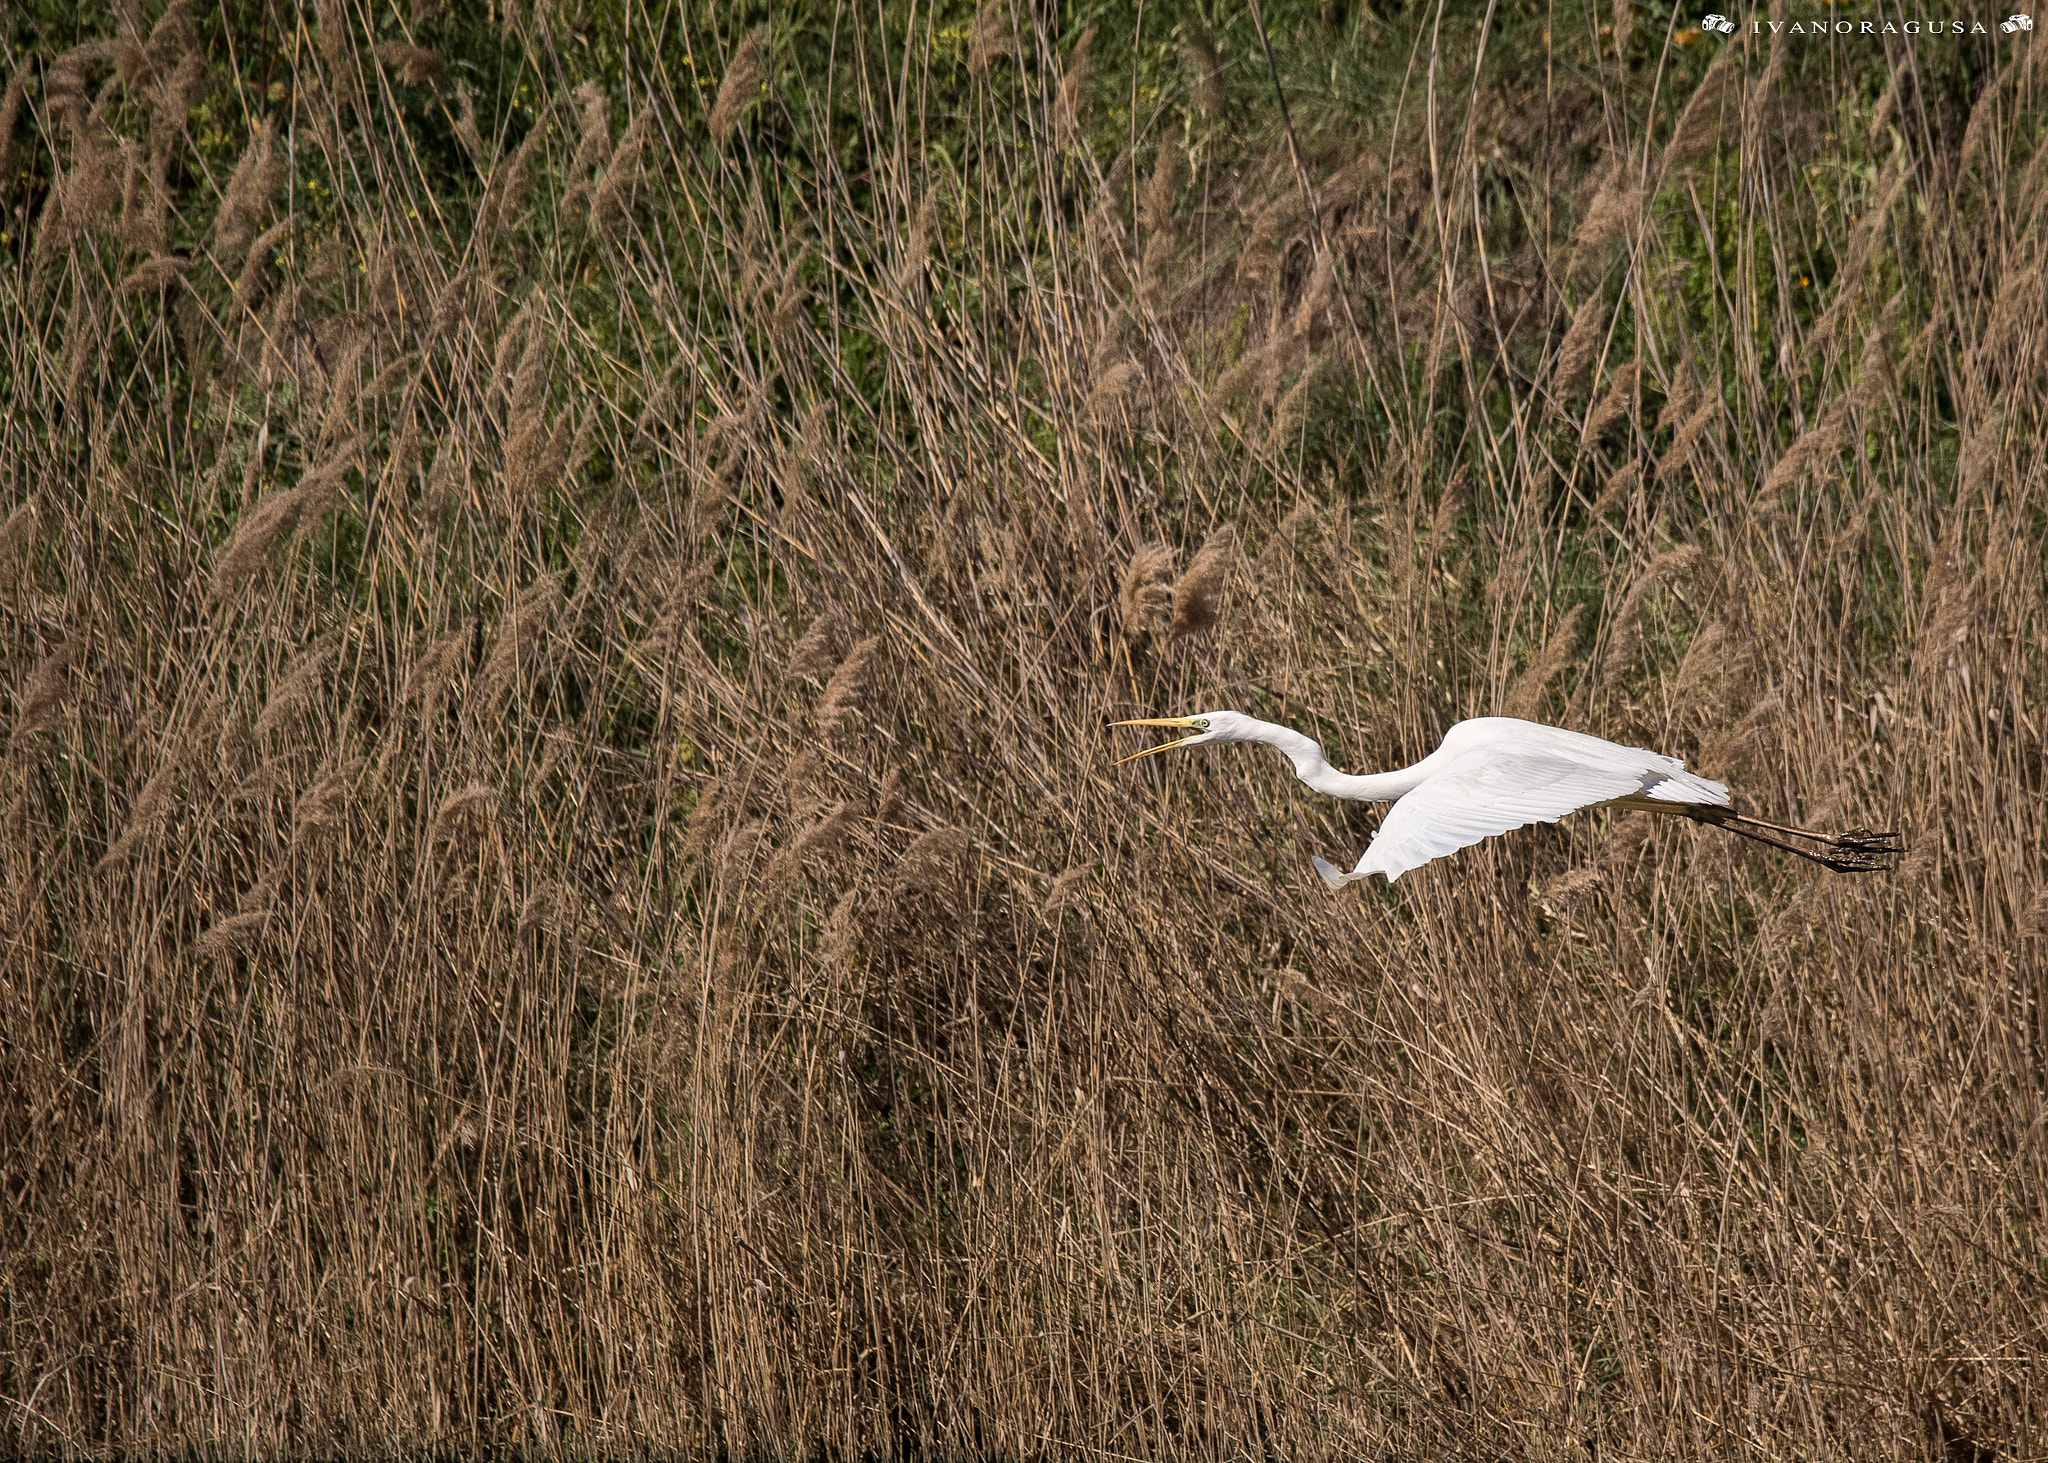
742	83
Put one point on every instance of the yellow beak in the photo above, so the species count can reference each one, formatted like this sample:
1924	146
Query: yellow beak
1163	746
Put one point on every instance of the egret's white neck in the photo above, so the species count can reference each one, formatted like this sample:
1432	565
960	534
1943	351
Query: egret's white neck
1313	768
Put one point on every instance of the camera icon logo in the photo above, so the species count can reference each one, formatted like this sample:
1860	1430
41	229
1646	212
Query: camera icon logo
1719	23
2017	23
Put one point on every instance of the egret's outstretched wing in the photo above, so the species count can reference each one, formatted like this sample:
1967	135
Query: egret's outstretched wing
1487	791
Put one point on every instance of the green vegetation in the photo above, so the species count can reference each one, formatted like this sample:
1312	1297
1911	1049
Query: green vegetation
562	573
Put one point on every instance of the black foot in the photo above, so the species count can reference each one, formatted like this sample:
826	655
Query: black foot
1862	840
1860	851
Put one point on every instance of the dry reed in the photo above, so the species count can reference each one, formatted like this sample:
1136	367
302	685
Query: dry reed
591	913
742	81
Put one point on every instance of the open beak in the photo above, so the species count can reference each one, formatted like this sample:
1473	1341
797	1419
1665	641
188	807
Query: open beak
1163	746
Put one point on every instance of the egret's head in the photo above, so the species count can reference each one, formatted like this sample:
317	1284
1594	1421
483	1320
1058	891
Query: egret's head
1210	726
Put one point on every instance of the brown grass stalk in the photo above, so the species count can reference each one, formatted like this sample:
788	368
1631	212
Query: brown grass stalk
661	961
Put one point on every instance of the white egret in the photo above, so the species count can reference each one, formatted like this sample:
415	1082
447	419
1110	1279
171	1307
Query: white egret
1494	773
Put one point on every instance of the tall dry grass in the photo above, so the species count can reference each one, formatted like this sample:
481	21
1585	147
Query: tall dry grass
562	885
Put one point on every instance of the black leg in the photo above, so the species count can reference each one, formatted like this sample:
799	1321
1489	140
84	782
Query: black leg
1859	851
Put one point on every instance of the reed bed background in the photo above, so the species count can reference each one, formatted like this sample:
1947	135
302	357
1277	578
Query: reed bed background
562	577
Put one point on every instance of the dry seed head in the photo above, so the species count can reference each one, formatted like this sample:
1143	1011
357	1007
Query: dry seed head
332	17
434	668
478	797
1205	73
543	909
2032	923
993	36
10	117
1111	387
1706	659
1581	342
1234	383
250	191
736	857
173	35
923	230
1699	126
507	192
415	65
1066	890
1980	451
812	652
1625	642
16	535
843	692
890	795
1681	395
466	131
526	431
1614	405
1984	116
320	488
594	141
1619	485
159	273
789	296
842	933
1317	298
1261	255
65	97
931	861
1195	593
1526	698
808	460
1279	357
231	935
742	83
150	807
1147	597
2019	294
172	100
323	808
298	689
254	537
1614	209
1292	410
404	460
1280	546
145	213
1822	442
1572	888
278	515
818	840
608	206
345	384
86	191
1074	86
512	339
1155	204
252	288
706	814
519	635
48	688
690	590
1448	507
1156	271
1687	436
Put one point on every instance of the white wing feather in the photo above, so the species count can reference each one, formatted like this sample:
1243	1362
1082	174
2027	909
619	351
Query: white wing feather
1484	792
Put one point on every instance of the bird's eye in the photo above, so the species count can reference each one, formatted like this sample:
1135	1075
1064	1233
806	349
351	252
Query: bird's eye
1200	723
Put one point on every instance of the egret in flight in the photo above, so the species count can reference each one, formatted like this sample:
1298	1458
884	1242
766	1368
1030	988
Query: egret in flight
1494	773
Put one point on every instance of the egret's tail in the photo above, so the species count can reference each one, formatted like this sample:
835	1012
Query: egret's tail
1335	877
